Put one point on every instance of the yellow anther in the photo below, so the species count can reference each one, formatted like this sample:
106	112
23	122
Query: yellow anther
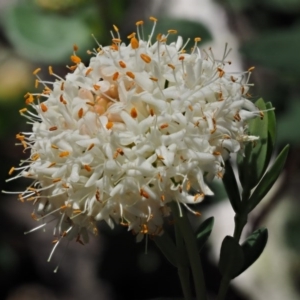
62	86
158	37
146	58
36	83
96	87
56	180
51	165
77	211
116	41
109	125
251	69
20	137
139	23
197	39
50	70
75	59
44	108
153	79
36	71
34	217
54	146
171	66
153	19
90	146
35	156
11	170
130	74
62	100
122	64
116	28
133	113
172	31
64	153
22	110
181	57
29	98
88	71
217	153
134	43
75	47
130	36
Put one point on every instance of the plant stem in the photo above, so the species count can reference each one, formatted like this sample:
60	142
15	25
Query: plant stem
240	221
191	247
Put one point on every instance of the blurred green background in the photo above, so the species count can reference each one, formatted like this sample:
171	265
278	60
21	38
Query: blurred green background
39	33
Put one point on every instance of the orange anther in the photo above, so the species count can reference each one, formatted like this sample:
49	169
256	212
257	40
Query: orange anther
146	58
88	168
11	170
133	113
90	146
36	71
50	70
130	74
96	87
64	153
115	76
153	19
144	193
53	128
80	113
109	125
165	125
134	43
75	59
44	108
122	64
88	71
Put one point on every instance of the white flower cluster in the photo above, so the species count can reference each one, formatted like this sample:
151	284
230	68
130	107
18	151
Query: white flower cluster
142	125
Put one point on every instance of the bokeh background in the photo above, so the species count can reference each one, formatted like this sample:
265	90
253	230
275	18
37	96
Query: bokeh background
39	33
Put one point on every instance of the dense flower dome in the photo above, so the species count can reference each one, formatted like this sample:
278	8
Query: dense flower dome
142	125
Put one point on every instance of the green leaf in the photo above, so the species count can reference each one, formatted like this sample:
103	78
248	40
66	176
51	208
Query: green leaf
271	132
253	247
254	162
44	37
203	232
231	187
231	258
270	50
167	247
268	180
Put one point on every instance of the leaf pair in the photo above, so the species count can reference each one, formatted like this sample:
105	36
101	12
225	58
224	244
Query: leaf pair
236	258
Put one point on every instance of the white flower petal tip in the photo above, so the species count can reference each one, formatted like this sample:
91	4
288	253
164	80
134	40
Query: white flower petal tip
141	125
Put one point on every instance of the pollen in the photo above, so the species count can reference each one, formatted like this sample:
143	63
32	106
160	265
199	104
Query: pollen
197	39
116	28
29	98
88	71
50	70
146	58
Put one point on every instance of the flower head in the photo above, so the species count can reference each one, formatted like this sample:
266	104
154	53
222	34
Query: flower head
143	124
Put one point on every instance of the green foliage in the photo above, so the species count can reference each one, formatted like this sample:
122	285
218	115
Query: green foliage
231	258
277	49
253	247
41	36
231	187
203	232
253	165
268	180
167	247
